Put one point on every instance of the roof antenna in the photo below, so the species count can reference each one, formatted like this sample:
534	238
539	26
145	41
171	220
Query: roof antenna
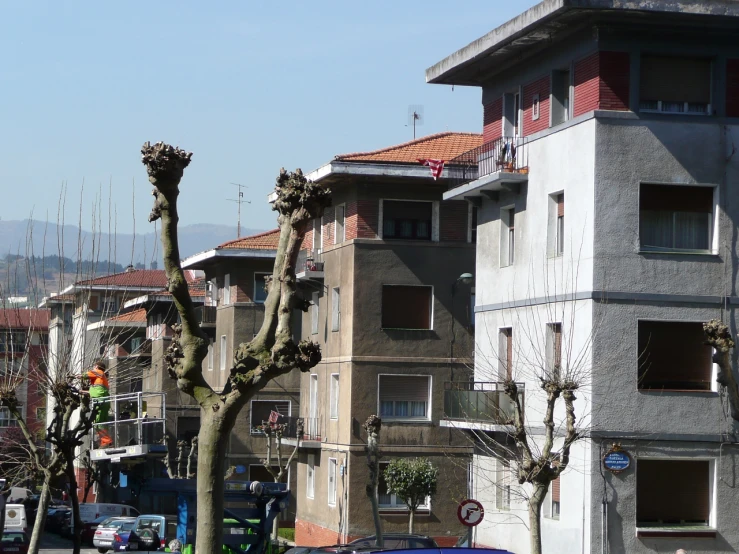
415	117
240	200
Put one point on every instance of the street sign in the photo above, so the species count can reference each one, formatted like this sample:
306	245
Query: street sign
616	460
470	512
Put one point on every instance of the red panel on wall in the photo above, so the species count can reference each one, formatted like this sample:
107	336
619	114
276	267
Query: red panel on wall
542	88
367	218
614	80
453	221
587	85
732	88
492	126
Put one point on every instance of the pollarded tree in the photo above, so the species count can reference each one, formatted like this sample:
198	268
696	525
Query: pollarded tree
273	352
413	481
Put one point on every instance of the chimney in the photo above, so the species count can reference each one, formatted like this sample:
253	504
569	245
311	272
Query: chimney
129	268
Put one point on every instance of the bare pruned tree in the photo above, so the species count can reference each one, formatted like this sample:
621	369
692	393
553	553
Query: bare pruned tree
273	352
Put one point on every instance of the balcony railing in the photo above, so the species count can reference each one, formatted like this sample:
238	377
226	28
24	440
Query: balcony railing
206	315
484	402
134	420
506	154
311	428
310	264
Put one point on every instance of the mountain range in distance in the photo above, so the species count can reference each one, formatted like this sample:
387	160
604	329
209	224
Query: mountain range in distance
39	238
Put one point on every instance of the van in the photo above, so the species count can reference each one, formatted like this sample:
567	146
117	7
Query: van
15	517
92	511
152	532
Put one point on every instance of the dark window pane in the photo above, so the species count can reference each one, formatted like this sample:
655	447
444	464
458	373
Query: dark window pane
406	307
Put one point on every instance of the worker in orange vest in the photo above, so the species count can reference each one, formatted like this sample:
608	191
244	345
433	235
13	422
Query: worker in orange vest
100	388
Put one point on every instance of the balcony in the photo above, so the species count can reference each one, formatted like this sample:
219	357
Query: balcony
309	266
303	432
498	165
206	315
478	404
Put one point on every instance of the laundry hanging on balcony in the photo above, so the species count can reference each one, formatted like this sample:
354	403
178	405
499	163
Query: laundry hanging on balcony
436	166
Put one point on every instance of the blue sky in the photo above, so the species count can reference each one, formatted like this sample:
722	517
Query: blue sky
247	86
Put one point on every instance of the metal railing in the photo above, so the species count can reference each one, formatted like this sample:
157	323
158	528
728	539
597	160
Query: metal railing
134	419
479	401
311	428
508	154
309	260
206	315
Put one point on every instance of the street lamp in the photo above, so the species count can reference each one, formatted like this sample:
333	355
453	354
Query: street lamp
464	279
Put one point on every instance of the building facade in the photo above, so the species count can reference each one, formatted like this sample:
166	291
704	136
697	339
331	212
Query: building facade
381	271
607	209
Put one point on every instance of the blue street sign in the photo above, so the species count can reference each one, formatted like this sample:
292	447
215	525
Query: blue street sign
240	469
616	461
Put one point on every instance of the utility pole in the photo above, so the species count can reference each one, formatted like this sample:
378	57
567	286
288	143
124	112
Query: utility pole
240	200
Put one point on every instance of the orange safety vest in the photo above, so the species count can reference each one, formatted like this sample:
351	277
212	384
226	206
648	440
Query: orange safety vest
97	377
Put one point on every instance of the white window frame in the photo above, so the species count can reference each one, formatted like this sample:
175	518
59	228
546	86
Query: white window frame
227	289
313	405
310	476
259	278
341	208
396	504
332	484
222	353
6	419
427	418
314	313
211	354
503	483
335	309
252	424
555	240
334	396
507	236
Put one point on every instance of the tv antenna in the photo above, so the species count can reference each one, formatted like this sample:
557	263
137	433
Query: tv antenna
240	200
415	117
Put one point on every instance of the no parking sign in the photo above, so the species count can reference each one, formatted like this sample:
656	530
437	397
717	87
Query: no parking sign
470	512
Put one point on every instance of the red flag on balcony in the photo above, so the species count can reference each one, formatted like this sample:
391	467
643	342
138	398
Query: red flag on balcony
273	416
436	166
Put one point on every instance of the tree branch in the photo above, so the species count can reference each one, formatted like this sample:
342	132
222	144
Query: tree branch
719	337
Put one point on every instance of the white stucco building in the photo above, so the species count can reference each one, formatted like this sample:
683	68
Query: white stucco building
606	199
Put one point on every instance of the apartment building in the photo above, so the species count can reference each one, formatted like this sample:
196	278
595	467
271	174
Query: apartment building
382	269
607	209
23	346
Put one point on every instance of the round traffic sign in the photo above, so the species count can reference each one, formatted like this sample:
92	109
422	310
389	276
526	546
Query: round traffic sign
470	512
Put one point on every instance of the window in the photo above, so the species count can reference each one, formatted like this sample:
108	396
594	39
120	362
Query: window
555	498
310	476
560	96
312	427
507	236
406	220
391	501
41	414
317	234
556	234
554	349
472	235
672	356
407	307
673	493
260	290
187	428
210	355
675	218
503	485
314	314
339	224
13	342
505	354
334	412
266	411
332	481
675	85
210	295
109	305
6	419
404	397
223	352
214	285
335	309
227	289
257	472
535	107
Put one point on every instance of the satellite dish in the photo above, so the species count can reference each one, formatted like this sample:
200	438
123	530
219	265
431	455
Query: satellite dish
415	117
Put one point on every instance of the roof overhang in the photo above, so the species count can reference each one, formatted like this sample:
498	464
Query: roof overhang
154	298
539	25
372	169
198	261
115	324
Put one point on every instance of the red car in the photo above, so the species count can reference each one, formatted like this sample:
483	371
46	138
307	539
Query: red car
14	542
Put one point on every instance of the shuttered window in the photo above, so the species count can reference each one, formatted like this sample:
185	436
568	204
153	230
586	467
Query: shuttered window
675	85
505	356
673	356
672	492
406	307
404	396
675	218
406	220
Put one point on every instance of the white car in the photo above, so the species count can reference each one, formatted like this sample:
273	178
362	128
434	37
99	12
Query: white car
105	533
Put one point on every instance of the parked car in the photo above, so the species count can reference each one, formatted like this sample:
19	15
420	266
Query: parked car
152	532
14	542
15	517
91	511
55	518
121	536
395	541
103	538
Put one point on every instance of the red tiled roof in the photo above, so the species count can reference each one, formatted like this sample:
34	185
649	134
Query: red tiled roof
441	146
144	278
17	318
261	241
136	316
196	288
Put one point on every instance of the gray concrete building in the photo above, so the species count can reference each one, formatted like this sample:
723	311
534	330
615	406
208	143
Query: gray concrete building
381	269
607	196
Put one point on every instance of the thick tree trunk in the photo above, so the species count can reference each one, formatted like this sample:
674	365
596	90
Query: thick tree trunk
410	520
76	518
43	507
212	441
535	503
